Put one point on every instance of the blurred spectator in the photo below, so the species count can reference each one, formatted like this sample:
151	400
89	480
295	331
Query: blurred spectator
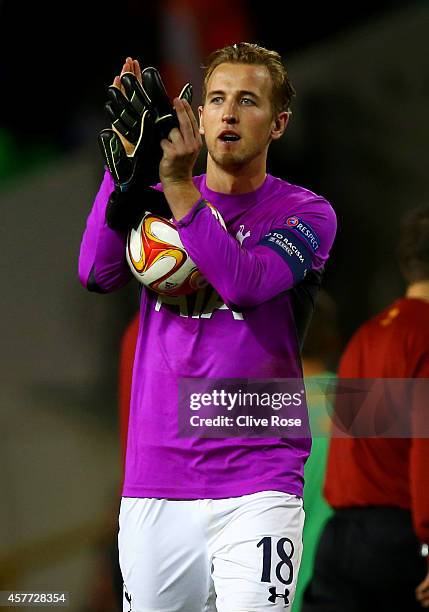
319	357
126	363
369	556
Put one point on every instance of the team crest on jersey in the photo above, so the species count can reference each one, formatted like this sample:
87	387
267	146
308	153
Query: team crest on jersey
305	230
240	235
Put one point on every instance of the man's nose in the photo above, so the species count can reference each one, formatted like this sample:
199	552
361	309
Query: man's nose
230	113
229	118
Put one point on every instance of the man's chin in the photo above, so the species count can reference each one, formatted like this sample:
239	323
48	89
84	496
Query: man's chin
229	160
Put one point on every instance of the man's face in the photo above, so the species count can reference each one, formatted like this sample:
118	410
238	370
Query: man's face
237	118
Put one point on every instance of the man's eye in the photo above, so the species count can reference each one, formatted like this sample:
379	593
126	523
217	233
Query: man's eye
247	101
216	100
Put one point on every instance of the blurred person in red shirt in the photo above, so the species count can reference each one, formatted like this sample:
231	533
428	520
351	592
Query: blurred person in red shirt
126	363
372	552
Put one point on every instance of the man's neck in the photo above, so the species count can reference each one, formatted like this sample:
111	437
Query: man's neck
234	181
418	290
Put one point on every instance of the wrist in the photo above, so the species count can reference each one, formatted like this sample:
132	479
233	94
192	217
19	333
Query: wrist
181	196
176	184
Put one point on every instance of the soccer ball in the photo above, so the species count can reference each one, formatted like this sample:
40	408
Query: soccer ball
159	260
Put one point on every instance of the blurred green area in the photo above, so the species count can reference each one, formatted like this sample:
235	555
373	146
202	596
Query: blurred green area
17	159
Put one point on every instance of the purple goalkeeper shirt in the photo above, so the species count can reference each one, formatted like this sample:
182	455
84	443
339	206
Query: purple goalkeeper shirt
275	235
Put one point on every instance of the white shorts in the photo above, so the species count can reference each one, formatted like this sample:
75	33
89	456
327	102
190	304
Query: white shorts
240	554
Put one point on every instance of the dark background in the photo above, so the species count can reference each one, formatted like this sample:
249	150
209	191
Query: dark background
56	63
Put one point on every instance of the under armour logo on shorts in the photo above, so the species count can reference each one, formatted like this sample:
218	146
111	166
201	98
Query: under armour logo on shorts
274	595
128	598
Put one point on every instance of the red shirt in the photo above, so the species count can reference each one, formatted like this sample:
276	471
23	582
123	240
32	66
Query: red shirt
126	363
385	471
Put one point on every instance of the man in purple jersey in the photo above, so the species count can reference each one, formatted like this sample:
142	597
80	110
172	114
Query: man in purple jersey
215	523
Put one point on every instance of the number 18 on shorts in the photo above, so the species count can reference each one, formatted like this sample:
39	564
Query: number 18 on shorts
239	554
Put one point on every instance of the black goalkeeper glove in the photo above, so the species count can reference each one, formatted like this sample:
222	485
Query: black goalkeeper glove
142	117
129	169
150	94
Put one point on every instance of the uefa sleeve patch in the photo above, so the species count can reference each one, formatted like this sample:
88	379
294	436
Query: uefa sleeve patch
291	249
304	230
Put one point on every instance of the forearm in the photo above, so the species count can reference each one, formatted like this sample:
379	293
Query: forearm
102	263
181	197
243	278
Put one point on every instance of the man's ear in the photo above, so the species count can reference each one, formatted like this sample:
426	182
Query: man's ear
200	115
279	125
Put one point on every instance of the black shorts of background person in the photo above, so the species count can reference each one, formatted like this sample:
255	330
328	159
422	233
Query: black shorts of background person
368	560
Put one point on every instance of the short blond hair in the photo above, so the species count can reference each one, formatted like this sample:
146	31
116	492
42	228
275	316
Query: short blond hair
250	53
